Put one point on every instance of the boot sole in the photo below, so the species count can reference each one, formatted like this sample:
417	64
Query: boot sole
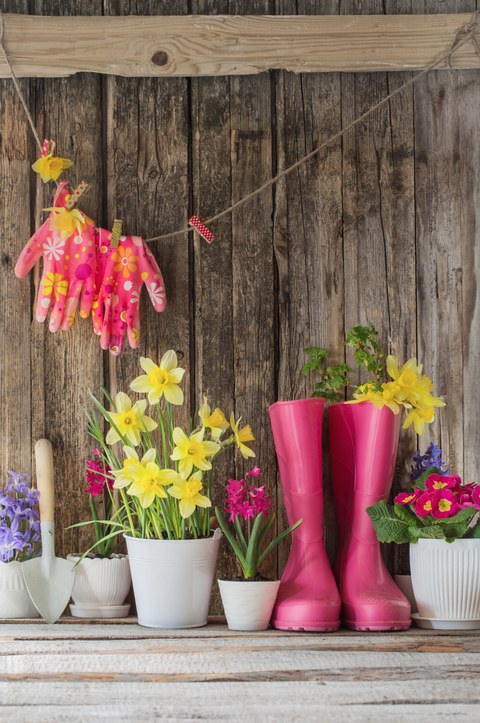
375	627
308	627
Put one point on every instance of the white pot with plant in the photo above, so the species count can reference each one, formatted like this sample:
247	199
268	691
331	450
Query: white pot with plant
102	574
163	511
248	602
439	517
19	541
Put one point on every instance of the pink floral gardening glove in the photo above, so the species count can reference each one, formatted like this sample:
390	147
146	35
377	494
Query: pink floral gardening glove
121	272
66	240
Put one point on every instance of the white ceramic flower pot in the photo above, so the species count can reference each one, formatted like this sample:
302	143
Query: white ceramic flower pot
101	586
248	604
172	580
15	602
446	579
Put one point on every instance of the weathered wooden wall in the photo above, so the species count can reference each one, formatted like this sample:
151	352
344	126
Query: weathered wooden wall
381	226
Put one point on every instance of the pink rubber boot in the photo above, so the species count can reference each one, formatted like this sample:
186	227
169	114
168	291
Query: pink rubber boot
308	598
363	448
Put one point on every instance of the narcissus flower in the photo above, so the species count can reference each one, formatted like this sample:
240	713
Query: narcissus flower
188	492
148	480
67	222
241	436
192	451
160	379
123	477
215	421
419	417
50	167
129	420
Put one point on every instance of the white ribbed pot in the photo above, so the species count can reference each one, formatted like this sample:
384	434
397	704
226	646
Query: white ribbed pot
172	580
15	602
248	604
101	586
446	579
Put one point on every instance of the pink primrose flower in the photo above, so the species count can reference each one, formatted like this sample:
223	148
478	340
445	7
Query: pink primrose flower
423	505
442	481
444	504
407	498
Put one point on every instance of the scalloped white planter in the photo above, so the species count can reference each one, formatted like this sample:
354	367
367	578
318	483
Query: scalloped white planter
15	602
248	604
446	579
172	580
100	582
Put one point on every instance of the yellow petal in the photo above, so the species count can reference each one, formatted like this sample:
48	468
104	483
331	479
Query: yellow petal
123	402
173	394
149	456
169	360
112	436
147	364
186	507
179	436
140	384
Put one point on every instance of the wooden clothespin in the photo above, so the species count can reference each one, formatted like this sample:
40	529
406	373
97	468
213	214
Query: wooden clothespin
201	229
116	232
80	190
47	147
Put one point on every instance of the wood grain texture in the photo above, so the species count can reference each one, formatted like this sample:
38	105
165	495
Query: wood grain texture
243	45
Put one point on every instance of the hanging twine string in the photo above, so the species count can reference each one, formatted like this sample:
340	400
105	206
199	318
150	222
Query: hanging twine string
463	35
17	87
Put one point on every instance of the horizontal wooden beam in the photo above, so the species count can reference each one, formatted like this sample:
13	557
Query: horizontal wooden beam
195	45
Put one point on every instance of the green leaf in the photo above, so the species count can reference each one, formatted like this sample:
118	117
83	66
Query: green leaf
231	539
405	513
278	539
420	482
434	532
474	532
388	527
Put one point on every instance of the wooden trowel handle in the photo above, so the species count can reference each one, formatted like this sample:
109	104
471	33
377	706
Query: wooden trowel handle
44	464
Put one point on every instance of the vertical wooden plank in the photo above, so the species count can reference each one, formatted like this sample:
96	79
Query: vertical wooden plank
16	149
446	178
252	259
213	283
66	365
147	161
378	207
308	233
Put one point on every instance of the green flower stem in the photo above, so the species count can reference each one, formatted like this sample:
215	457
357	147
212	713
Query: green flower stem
166	461
126	503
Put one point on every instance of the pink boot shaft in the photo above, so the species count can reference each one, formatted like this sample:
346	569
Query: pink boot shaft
363	448
308	597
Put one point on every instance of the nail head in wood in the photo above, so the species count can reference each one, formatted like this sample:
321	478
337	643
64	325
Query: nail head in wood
160	58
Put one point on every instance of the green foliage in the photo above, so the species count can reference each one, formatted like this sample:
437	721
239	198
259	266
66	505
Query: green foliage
420	481
367	350
399	524
333	378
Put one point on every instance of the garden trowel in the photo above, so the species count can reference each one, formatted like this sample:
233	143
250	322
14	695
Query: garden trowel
49	579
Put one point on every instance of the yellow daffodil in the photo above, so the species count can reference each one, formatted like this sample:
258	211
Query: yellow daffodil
161	379
192	451
368	393
241	436
50	167
68	222
215	421
123	477
407	377
390	395
148	480
188	492
129	419
419	417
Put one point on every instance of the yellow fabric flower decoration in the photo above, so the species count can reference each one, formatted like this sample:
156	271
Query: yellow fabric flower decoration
192	451
160	380
129	419
188	492
66	222
215	421
54	283
241	436
50	167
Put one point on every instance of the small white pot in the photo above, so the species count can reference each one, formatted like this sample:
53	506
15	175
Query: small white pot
15	602
101	586
446	579
248	604
172	580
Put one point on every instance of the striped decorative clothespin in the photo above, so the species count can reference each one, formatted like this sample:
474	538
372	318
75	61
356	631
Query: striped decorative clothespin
74	197
116	232
201	229
47	147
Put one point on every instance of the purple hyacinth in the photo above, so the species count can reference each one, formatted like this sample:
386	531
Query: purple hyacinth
19	519
431	458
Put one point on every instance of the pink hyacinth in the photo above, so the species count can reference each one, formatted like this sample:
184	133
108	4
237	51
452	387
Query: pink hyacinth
255	472
245	500
96	475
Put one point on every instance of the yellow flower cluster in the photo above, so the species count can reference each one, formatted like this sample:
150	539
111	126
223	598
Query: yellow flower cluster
409	388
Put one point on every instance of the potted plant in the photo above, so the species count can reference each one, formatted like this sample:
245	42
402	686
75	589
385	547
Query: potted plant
163	477
249	601
102	577
363	441
439	517
19	541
